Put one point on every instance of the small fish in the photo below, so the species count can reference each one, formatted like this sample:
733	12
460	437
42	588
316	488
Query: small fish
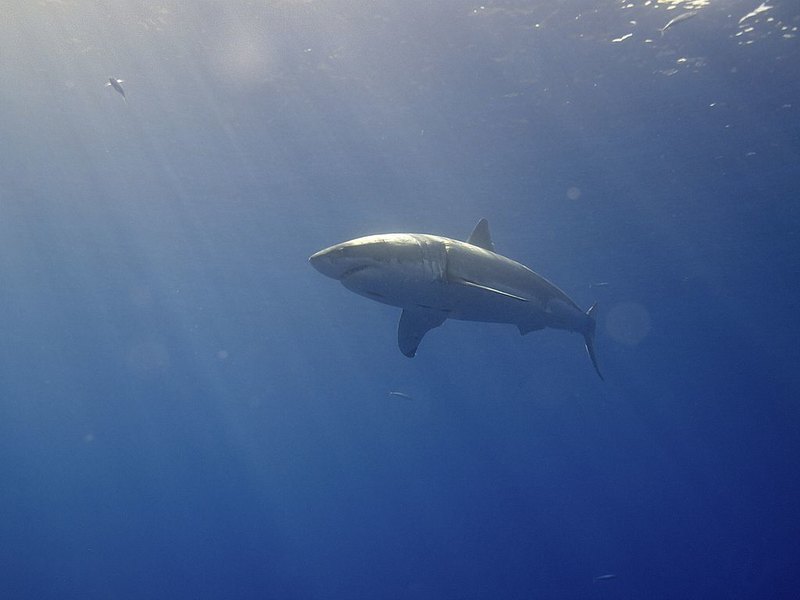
606	577
401	395
755	12
117	85
685	16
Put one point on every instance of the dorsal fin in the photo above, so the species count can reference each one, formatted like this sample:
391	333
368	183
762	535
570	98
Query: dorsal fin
480	236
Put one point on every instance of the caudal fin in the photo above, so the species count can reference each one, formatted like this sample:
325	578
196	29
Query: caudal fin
588	339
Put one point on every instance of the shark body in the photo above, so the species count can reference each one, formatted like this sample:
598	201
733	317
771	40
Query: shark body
434	278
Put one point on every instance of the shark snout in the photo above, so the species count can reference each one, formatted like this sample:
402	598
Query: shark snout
336	262
342	260
323	262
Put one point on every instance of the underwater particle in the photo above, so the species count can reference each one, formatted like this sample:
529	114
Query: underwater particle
573	192
222	354
401	395
605	577
88	438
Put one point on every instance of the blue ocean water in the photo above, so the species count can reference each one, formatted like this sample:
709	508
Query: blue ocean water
189	410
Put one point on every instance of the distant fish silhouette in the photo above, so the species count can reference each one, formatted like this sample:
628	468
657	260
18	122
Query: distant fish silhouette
679	19
117	85
754	13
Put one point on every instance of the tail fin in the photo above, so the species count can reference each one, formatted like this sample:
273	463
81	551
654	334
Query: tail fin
588	338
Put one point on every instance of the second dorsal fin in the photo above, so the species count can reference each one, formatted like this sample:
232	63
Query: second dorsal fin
481	237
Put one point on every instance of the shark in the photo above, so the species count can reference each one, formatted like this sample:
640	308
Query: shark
434	278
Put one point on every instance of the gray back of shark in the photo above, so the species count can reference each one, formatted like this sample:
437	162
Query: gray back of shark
434	278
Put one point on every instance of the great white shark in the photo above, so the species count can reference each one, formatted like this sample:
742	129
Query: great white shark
434	278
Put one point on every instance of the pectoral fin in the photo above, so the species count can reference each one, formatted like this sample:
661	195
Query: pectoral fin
531	325
414	324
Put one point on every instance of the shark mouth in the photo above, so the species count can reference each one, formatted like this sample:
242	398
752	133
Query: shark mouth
353	271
